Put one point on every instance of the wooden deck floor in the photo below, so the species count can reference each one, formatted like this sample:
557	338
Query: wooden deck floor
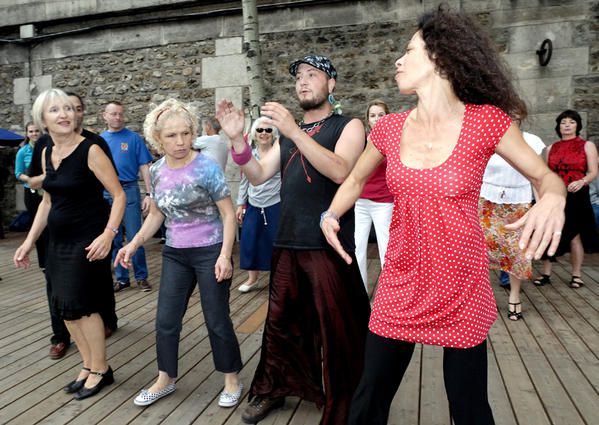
542	370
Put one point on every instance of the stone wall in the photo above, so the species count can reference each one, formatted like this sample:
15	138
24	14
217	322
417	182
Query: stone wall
199	59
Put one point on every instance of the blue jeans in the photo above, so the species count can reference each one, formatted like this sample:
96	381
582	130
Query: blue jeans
132	221
182	270
596	211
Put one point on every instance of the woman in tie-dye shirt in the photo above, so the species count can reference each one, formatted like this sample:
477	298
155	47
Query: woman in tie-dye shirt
190	194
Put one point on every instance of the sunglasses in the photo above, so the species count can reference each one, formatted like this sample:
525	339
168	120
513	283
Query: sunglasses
260	130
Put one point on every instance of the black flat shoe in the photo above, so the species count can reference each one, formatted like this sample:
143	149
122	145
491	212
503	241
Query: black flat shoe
74	386
107	379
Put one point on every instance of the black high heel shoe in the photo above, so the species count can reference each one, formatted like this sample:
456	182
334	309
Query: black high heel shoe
74	386
107	379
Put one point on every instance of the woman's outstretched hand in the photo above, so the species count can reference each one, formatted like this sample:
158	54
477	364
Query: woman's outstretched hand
541	226
330	227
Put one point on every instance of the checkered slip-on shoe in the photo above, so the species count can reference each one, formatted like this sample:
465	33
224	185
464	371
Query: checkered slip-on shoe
228	399
145	398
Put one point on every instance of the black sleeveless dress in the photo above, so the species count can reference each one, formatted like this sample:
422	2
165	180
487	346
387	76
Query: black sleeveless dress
79	214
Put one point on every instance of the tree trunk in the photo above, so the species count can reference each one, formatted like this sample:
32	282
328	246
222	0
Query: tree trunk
251	48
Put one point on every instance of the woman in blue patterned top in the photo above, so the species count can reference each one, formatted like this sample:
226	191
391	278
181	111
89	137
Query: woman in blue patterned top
190	195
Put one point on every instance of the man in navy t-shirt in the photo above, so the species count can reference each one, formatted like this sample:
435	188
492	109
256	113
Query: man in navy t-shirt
131	156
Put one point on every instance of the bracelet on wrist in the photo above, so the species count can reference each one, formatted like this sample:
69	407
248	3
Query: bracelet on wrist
328	214
113	230
225	257
243	157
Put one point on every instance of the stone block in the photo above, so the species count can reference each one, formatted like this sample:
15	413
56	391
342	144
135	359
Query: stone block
21	94
564	62
228	46
19	201
549	94
234	94
516	16
527	37
182	32
224	71
40	83
135	37
27	31
12	53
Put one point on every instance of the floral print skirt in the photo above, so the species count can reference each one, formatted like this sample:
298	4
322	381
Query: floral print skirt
502	244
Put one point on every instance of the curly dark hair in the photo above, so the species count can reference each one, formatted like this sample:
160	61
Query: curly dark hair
568	113
464	54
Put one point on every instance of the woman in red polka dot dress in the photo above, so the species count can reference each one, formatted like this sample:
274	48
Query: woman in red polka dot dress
434	288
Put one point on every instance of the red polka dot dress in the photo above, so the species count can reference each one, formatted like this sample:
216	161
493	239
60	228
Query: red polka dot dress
434	287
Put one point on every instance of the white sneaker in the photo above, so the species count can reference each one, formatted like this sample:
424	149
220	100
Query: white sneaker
145	398
247	288
227	399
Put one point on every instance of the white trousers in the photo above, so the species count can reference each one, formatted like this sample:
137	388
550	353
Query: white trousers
368	212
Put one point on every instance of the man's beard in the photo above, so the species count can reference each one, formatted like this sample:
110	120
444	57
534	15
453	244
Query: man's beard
311	104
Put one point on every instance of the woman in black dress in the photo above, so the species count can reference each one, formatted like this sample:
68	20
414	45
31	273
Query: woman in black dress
81	227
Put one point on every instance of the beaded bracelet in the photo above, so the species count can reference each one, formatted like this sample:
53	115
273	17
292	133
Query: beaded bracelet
328	214
243	157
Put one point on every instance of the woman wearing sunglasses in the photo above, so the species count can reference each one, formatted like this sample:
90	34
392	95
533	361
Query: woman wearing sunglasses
258	209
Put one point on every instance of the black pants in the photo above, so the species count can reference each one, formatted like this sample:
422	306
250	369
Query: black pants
386	360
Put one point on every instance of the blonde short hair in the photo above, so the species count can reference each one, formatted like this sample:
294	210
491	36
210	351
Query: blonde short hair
37	110
154	122
258	122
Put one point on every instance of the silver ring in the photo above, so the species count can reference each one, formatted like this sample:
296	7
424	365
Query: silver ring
557	232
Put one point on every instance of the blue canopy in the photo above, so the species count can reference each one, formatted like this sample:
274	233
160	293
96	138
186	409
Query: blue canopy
8	138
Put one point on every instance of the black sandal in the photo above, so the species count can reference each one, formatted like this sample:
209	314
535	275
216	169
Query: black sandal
543	280
514	315
576	282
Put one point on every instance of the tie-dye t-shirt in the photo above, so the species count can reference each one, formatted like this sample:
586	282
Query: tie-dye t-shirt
187	197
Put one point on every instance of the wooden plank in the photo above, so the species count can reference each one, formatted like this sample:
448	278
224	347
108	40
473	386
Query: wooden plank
255	321
406	403
434	409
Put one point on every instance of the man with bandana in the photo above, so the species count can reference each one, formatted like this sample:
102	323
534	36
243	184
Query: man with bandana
318	309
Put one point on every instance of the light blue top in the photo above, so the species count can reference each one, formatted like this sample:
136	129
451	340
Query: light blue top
23	160
129	152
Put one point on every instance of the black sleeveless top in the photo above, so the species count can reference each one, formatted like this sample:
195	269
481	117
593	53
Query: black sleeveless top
79	211
306	193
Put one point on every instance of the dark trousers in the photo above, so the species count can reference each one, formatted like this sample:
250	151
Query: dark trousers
315	330
386	360
182	268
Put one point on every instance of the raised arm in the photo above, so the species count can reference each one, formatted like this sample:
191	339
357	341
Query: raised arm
543	223
232	122
346	196
334	165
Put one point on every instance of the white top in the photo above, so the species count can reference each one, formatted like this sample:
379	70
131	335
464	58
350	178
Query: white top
214	147
502	184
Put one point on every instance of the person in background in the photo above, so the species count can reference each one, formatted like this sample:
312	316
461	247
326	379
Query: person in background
575	160
434	288
505	197
200	231
594	197
132	158
258	209
31	197
78	264
375	204
213	144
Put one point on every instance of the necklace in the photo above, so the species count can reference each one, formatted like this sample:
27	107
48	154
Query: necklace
64	151
313	128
